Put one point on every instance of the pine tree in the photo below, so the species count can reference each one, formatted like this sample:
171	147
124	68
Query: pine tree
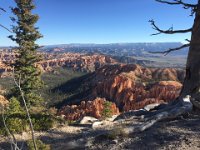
26	34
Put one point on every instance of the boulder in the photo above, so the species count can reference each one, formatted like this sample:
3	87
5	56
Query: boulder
151	106
88	120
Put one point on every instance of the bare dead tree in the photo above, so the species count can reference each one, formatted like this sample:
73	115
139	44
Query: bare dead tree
189	97
190	94
192	81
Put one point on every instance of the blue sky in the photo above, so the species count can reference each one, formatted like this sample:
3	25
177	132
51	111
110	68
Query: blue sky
101	21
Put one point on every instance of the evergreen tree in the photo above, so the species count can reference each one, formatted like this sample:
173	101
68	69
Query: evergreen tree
26	34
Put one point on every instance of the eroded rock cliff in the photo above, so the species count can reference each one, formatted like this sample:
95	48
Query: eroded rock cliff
131	87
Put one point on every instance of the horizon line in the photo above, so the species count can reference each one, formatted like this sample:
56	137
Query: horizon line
85	43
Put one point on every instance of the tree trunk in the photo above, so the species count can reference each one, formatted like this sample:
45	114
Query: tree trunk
191	85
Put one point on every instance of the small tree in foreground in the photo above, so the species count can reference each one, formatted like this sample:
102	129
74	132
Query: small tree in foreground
25	73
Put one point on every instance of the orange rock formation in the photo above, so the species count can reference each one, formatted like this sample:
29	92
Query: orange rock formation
90	108
130	87
133	87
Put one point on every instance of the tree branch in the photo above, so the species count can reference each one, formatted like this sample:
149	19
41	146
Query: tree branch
169	31
3	25
178	2
5	28
2	9
172	49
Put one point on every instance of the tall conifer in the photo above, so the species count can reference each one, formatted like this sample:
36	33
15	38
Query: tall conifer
25	35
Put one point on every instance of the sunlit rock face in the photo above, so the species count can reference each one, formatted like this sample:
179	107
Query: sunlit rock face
87	108
158	93
129	87
133	87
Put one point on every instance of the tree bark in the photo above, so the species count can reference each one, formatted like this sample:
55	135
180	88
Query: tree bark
191	85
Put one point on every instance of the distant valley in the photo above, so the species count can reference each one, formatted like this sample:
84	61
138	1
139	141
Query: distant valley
78	55
139	53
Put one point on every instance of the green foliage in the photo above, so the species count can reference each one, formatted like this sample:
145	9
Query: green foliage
107	110
40	145
43	122
55	91
14	107
74	89
25	36
15	125
18	122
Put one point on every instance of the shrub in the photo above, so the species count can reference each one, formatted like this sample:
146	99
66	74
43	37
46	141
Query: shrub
43	122
18	123
15	125
107	110
40	145
14	106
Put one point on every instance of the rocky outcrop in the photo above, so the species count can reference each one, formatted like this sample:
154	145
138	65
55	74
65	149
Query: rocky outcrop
130	87
158	93
75	61
87	108
133	87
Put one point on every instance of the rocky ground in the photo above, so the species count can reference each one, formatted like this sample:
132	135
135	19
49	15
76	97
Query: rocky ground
182	134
